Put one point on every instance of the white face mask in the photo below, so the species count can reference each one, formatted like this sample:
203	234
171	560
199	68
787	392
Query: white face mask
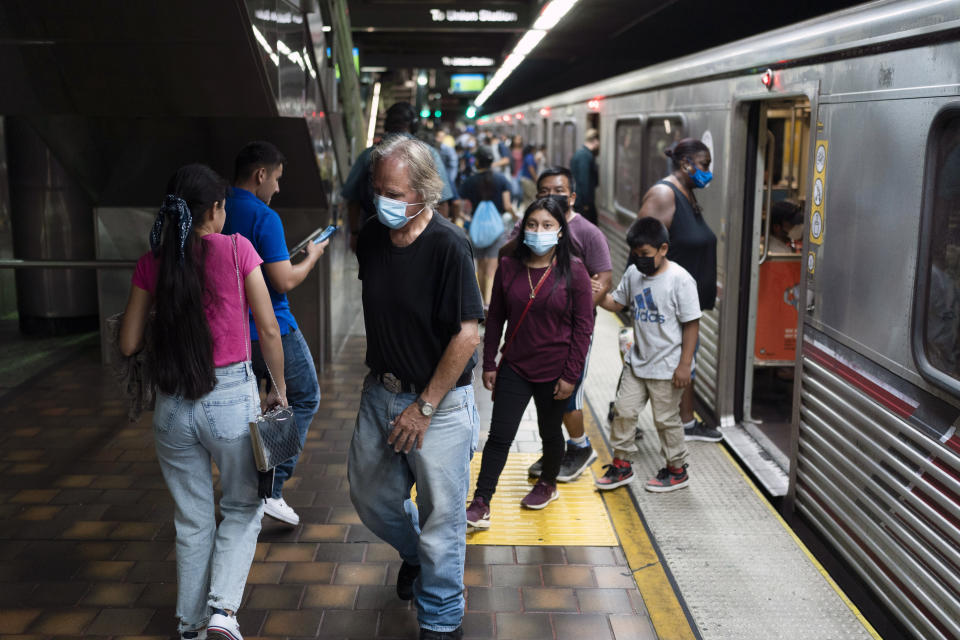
796	232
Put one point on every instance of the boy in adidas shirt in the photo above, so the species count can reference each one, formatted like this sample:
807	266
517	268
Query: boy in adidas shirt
666	320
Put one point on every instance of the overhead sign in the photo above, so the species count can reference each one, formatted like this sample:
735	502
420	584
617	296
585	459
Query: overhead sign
482	15
405	16
472	61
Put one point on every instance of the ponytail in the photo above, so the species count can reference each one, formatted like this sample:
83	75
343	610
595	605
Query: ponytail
182	340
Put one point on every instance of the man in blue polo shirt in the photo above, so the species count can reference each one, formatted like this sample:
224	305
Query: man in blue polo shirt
259	166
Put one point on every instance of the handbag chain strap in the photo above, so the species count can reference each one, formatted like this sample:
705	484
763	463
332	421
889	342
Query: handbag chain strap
243	310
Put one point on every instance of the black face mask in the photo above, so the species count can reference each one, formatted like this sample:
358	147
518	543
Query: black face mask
563	201
644	264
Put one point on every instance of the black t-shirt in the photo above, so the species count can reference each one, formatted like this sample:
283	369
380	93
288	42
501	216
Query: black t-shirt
415	297
693	246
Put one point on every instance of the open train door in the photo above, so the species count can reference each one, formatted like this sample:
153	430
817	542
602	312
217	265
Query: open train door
770	278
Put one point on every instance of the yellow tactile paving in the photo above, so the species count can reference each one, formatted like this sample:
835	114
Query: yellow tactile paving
577	518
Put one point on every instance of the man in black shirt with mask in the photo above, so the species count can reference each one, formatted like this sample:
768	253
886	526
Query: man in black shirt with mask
417	422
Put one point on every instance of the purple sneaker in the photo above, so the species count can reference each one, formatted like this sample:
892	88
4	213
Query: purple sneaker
540	496
478	513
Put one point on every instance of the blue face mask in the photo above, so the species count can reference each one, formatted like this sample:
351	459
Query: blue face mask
540	242
393	213
701	178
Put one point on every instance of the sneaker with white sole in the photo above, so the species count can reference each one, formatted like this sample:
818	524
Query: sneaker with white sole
668	480
223	627
616	475
575	461
279	509
540	496
478	513
700	431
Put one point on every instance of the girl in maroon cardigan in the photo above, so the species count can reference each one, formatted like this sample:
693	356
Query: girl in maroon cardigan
542	293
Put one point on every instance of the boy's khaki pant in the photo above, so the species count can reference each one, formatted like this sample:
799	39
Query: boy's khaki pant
664	400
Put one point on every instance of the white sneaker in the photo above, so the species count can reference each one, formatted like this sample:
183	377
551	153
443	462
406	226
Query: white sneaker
223	627
279	509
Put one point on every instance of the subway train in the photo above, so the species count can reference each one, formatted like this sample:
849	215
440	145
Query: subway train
834	371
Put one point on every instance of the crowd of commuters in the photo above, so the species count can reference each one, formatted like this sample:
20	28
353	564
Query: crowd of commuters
227	345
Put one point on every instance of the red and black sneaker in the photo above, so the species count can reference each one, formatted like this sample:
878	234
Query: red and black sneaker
668	479
615	475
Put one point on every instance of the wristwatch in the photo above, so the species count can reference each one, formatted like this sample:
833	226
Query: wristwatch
425	407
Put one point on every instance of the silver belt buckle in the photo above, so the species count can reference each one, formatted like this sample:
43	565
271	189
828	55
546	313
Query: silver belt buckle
391	383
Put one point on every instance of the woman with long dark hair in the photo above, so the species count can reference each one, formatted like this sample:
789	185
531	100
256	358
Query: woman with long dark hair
542	293
693	245
200	284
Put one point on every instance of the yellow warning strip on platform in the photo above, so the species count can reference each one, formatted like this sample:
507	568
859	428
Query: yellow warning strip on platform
816	563
578	518
666	613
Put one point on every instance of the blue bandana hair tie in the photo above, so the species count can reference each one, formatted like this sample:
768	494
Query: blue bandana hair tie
172	206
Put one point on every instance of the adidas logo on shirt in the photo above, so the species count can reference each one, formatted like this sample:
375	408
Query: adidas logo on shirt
645	309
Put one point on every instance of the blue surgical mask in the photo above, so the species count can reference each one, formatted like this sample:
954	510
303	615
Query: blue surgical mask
393	213
540	242
701	178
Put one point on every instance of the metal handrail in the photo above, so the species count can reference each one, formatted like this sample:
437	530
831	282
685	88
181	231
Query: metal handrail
768	166
13	263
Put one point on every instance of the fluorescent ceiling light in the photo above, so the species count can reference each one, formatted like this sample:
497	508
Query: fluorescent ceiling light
529	40
552	13
549	17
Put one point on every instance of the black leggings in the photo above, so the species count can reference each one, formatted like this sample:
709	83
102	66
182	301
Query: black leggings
511	399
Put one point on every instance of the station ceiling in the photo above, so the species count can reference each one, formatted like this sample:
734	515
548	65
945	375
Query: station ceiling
597	39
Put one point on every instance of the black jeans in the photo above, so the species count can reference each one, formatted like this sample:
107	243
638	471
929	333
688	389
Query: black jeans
511	399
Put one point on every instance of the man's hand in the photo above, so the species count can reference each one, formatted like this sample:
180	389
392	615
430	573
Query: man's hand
562	389
681	377
316	250
409	429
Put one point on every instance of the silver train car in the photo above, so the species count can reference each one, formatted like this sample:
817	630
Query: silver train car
833	371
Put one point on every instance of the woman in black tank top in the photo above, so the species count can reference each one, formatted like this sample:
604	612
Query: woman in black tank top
693	245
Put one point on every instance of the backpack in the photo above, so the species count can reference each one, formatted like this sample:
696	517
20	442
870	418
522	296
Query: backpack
487	225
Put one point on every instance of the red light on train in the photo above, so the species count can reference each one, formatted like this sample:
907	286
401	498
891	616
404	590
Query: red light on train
519	116
594	104
498	119
507	118
545	112
767	79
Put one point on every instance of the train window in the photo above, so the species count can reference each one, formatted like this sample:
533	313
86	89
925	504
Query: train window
938	315
569	143
627	159
661	133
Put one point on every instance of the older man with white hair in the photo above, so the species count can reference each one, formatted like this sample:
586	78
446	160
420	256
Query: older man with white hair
417	422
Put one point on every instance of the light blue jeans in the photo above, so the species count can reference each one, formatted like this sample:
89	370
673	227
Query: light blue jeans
212	562
432	534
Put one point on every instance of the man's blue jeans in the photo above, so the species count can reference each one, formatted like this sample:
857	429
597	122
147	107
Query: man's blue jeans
432	534
303	392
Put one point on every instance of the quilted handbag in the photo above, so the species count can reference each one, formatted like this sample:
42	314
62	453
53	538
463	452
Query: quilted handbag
274	437
274	434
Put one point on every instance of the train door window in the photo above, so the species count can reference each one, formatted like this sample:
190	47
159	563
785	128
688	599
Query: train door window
543	133
627	159
938	320
556	144
569	143
661	133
